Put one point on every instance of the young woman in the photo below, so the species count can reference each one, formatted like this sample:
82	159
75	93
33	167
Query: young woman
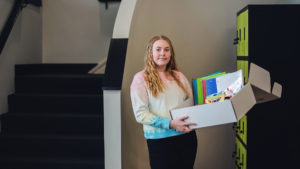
154	91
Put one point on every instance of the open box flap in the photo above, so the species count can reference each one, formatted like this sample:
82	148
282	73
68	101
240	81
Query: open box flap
262	96
277	90
260	78
243	101
260	81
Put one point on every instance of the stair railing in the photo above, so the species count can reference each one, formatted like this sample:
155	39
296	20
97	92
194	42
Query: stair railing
16	9
106	2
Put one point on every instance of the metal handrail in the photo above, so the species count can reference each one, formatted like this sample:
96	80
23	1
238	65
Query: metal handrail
16	9
106	2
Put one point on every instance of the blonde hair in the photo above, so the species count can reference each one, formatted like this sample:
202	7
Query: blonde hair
153	81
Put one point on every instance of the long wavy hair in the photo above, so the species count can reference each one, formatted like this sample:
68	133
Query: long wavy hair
153	81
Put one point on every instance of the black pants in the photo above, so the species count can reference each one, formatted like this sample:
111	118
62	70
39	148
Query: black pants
176	152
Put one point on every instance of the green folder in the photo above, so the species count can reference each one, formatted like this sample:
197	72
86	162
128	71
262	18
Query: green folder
200	87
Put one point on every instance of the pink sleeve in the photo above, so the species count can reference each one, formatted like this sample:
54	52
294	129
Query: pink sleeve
138	81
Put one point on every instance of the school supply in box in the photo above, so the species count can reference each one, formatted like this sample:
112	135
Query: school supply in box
258	90
215	97
199	87
211	88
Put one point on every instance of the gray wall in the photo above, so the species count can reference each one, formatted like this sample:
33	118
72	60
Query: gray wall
24	46
77	31
5	6
202	33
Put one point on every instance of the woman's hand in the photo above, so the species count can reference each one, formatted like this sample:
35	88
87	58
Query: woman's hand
180	125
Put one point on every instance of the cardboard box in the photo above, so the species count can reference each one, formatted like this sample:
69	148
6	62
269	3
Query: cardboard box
257	90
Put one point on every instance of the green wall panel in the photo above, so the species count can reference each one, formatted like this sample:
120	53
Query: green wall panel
242	31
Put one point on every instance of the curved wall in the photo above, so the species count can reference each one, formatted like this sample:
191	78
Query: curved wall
202	33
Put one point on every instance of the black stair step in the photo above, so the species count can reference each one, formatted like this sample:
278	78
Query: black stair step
59	83
67	124
51	68
55	103
18	146
51	163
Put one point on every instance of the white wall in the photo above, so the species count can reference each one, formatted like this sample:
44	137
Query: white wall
123	20
22	47
77	31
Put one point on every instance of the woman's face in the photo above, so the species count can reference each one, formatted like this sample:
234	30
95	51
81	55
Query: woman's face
161	54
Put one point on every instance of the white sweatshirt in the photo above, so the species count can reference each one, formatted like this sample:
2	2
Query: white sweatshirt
153	112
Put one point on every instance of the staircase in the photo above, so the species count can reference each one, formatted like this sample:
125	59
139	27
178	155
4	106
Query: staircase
54	119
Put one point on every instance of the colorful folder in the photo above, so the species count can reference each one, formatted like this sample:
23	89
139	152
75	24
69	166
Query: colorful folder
200	87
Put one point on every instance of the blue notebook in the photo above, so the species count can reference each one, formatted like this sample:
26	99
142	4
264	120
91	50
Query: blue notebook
195	91
211	86
198	87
